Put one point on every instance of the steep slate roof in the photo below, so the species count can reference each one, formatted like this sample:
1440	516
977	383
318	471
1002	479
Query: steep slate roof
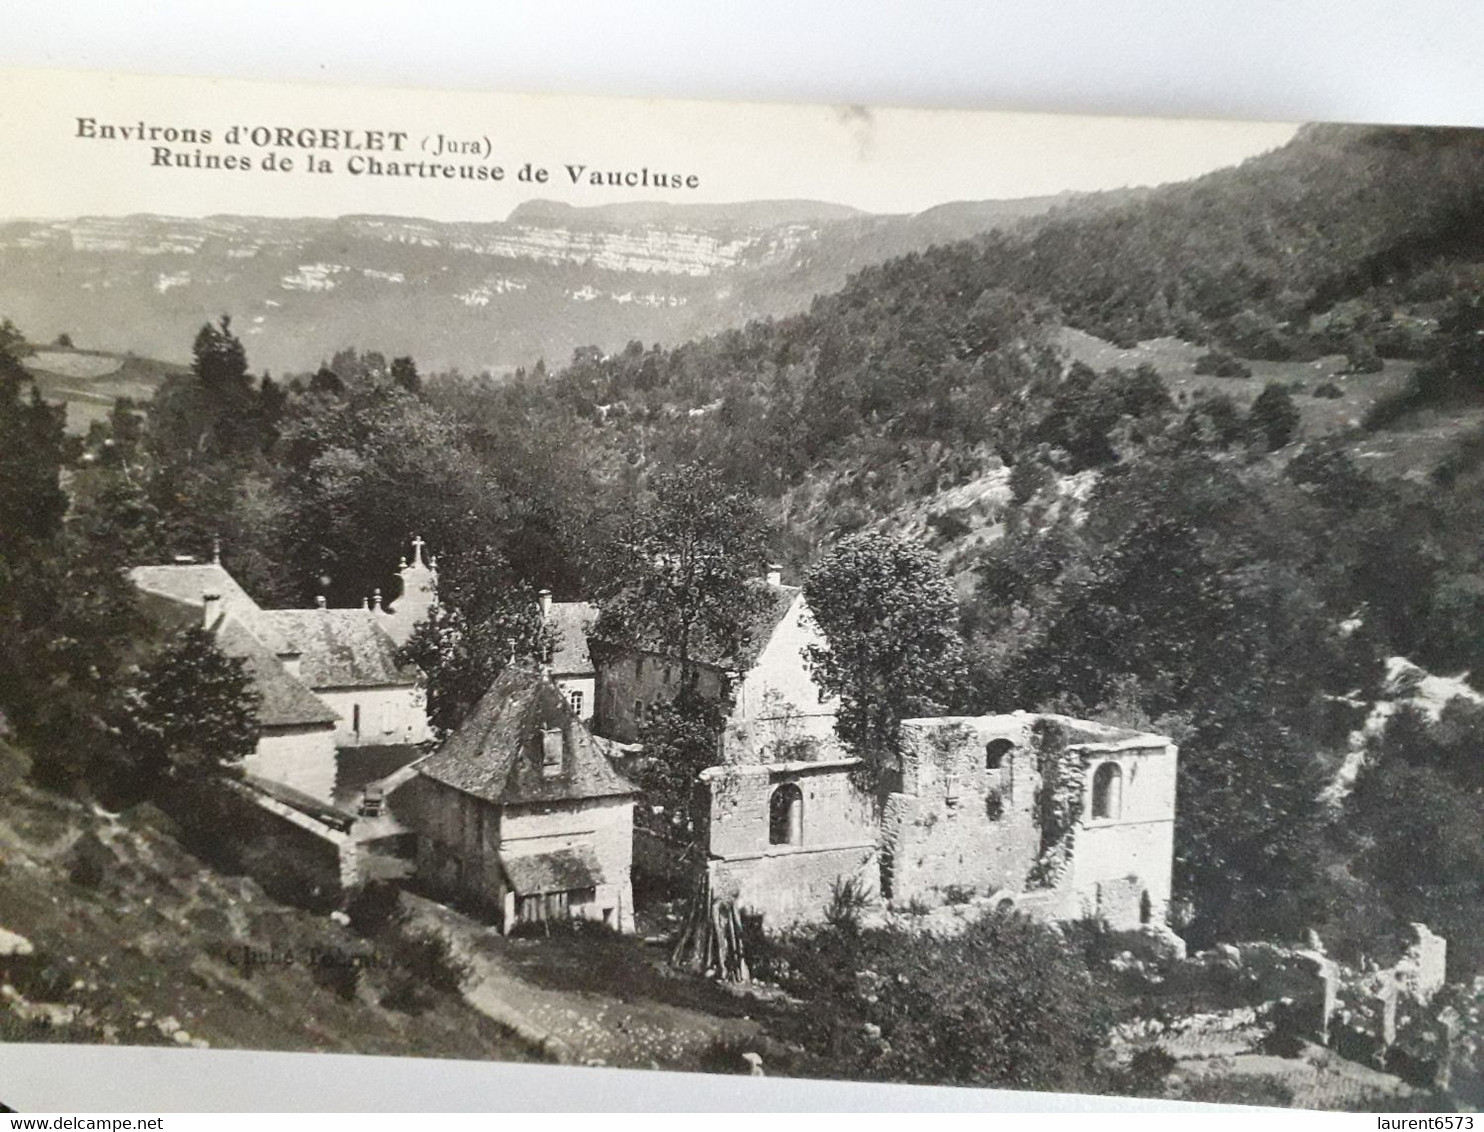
570	621
191	582
776	601
339	648
496	755
286	702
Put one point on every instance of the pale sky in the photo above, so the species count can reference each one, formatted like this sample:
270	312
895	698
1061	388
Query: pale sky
878	160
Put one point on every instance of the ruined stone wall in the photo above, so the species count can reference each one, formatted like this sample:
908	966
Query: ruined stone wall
789	883
963	822
958	823
1118	859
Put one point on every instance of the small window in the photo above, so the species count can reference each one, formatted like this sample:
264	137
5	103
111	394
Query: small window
355	718
574	698
551	752
786	816
995	751
1107	791
638	711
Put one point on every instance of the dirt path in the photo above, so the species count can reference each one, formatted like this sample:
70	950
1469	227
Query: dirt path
623	1021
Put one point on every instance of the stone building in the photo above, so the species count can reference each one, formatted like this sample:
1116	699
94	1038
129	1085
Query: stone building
350	662
519	815
1060	817
296	740
418	593
776	702
571	659
329	677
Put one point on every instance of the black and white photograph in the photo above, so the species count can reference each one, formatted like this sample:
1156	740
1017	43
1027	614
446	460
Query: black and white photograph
919	597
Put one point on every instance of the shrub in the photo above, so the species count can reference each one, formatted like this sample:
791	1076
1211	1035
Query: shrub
1218	363
1328	390
89	862
1147	1071
374	908
1005	1002
958	894
848	899
1027	479
430	957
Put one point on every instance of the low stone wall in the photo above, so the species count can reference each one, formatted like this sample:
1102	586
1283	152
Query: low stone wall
788	885
296	858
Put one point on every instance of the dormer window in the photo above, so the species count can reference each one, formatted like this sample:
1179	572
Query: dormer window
551	752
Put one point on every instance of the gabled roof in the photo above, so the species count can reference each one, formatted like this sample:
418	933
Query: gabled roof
570	622
773	603
286	702
191	582
497	754
339	648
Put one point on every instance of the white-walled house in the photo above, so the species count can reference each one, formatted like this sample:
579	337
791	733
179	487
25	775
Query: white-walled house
329	678
347	658
518	814
777	704
296	741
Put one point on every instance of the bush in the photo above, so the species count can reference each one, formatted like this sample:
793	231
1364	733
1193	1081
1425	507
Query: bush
88	864
1003	1002
848	899
1328	390
1027	479
957	894
430	957
374	908
1218	363
1147	1071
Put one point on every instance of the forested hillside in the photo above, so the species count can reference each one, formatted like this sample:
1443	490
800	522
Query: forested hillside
1141	548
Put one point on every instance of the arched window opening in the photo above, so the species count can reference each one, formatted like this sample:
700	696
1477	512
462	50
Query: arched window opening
1146	908
995	751
1107	791
786	816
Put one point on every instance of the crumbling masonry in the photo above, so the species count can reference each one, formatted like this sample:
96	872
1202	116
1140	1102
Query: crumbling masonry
1059	817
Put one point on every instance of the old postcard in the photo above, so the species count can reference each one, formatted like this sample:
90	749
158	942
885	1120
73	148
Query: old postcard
892	596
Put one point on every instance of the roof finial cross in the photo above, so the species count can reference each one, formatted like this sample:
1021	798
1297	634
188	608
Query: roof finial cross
417	550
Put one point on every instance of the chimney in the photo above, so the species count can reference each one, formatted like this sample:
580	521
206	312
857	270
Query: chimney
775	574
211	609
319	602
290	661
545	598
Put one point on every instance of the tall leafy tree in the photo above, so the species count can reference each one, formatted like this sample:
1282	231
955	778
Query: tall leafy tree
484	618
191	712
66	612
682	572
893	648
